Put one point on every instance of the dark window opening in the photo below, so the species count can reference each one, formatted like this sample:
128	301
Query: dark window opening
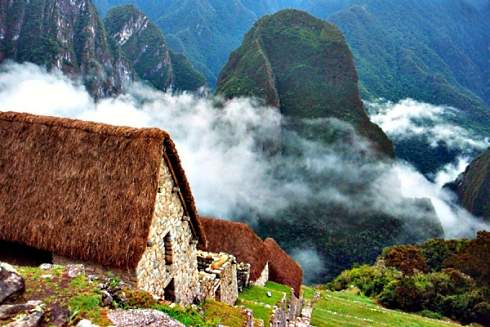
23	255
218	294
170	292
167	241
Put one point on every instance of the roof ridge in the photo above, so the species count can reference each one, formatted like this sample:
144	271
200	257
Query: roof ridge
84	125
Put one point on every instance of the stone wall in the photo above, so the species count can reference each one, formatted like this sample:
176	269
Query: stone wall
264	276
243	275
168	268
218	276
285	313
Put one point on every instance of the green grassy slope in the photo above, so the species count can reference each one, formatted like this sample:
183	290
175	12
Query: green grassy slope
347	309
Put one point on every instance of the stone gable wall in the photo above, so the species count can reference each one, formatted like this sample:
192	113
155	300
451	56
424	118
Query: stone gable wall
152	272
264	276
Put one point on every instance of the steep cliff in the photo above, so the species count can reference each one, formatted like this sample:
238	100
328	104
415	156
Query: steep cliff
144	46
473	187
303	66
67	35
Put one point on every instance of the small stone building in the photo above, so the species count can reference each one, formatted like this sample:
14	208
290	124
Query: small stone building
110	197
241	241
262	260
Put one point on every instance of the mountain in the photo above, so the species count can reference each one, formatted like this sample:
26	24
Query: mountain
144	47
207	31
303	66
434	51
473	187
67	35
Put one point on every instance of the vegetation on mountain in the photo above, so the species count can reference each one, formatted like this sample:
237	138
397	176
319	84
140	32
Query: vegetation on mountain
70	36
144	46
449	278
473	187
303	66
67	35
432	51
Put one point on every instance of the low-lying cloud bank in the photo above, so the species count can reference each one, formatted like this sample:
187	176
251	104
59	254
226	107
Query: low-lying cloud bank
410	118
220	146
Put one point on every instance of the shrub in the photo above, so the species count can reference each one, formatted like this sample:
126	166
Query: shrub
474	259
135	298
430	314
406	258
437	251
461	306
371	280
482	313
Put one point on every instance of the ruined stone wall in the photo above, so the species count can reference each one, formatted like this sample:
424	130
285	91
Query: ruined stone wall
264	276
218	276
243	275
209	285
285	313
153	274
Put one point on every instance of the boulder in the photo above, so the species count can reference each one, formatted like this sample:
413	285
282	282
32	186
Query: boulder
11	310
140	317
11	283
31	319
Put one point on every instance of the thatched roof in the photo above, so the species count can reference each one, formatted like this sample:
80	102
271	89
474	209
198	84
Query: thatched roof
282	268
83	190
237	239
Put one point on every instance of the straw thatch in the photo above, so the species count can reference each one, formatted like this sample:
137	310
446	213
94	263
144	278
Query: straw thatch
83	190
237	239
282	268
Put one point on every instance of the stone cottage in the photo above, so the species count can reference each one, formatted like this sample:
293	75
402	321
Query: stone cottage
262	260
110	197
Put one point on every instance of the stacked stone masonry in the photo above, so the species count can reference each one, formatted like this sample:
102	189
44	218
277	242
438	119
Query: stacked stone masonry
168	268
218	276
243	275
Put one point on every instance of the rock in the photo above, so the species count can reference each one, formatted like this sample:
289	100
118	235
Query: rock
140	317
46	266
107	299
11	283
75	270
11	310
86	323
33	319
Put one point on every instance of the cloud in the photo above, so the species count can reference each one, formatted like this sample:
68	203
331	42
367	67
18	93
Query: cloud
409	118
221	146
310	261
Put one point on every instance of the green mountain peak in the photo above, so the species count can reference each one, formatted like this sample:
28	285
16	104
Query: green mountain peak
303	66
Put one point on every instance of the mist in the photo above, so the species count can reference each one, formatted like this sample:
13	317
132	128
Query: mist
221	148
409	118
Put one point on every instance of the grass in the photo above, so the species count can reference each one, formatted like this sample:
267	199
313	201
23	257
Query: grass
256	299
75	298
223	314
348	309
308	292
